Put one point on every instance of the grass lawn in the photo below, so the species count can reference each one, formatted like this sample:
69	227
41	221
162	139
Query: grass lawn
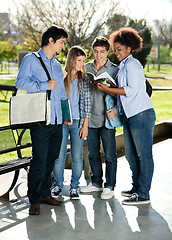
162	100
165	71
7	82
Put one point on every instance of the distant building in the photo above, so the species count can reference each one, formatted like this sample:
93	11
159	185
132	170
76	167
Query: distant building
5	26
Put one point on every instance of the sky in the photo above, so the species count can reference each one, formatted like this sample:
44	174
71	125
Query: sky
136	9
149	9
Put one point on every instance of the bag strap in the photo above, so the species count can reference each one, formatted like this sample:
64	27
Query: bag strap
113	72
44	67
148	88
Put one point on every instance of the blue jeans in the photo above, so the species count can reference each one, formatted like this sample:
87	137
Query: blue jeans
76	156
138	141
46	142
109	145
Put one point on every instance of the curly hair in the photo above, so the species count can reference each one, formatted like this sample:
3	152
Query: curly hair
127	36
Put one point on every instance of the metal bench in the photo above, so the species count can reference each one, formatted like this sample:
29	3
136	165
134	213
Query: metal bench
4	89
17	142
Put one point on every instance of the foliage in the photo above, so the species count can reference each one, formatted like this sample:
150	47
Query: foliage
115	22
163	32
2	37
82	19
165	55
7	50
145	33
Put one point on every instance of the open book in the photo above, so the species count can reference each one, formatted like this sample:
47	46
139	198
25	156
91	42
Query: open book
66	110
103	78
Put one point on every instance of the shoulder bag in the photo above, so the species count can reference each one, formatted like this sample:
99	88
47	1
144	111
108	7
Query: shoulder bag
30	110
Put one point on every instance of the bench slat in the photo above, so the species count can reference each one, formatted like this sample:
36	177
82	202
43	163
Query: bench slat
12	149
7	87
14	165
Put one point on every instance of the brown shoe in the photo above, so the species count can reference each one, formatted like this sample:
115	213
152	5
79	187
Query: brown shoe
51	201
34	209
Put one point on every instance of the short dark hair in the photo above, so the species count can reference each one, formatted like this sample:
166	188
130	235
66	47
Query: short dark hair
54	32
129	37
101	42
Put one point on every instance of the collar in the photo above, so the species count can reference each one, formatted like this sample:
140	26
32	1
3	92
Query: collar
107	64
44	56
125	60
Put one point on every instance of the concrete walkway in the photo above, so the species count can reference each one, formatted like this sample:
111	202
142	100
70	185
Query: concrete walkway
8	76
92	218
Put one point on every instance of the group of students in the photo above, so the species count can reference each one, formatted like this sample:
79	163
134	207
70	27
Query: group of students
88	108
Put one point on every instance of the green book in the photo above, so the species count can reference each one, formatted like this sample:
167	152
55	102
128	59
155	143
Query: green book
66	110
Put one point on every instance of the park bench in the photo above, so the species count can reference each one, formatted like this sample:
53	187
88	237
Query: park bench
4	89
17	142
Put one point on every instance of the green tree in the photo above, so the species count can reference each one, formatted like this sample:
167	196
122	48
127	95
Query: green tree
165	55
115	22
7	50
83	19
162	33
145	33
2	37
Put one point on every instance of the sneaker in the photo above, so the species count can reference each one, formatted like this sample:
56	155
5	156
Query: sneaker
90	188
56	191
135	200
127	193
74	194
107	193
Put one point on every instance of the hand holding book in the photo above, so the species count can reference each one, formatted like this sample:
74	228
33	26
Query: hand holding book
66	112
103	78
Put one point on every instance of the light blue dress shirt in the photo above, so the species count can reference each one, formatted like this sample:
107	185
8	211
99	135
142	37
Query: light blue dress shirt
32	78
131	78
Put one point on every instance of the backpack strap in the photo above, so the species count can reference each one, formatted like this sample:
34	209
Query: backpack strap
114	71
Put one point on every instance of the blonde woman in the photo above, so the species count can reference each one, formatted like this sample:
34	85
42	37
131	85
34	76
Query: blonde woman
78	91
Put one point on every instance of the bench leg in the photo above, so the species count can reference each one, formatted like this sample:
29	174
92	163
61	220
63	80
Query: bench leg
5	95
6	196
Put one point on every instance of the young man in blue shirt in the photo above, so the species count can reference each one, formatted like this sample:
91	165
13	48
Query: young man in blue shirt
46	141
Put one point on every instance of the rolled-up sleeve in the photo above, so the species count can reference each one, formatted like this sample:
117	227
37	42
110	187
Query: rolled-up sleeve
87	99
63	92
26	79
133	74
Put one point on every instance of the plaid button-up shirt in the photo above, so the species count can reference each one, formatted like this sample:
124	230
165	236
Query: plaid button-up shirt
84	100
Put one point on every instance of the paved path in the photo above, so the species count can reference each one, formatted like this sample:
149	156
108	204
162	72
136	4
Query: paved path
8	76
91	218
159	88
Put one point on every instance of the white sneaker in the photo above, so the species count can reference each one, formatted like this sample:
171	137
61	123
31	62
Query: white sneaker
107	193
90	188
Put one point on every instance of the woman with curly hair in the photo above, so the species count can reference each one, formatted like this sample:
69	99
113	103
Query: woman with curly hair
77	88
137	112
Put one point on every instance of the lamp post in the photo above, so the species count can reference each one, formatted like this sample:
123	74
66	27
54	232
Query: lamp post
159	57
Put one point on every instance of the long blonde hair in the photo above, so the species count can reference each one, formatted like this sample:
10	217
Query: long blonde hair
74	52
